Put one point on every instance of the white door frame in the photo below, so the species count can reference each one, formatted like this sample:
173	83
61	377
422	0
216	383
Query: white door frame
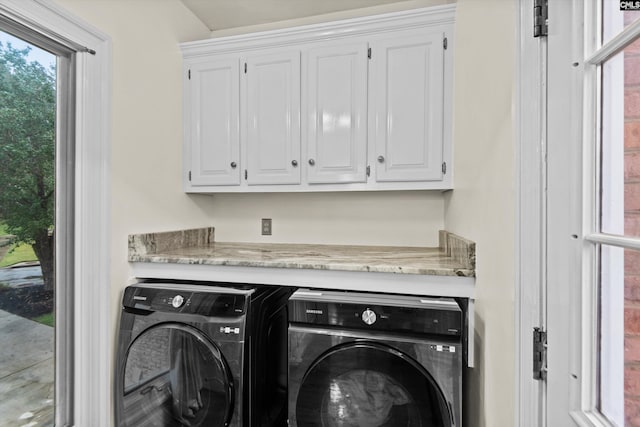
538	165
530	221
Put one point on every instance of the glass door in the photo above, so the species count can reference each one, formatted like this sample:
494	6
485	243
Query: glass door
369	385
593	214
36	227
175	376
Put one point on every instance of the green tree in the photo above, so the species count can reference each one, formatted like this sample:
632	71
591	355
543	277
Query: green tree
27	153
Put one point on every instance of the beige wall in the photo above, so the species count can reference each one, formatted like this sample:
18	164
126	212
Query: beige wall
410	218
482	206
146	170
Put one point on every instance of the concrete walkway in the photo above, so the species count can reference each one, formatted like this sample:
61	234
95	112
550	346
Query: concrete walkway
26	372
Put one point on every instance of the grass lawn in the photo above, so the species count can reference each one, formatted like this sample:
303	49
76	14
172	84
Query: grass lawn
19	253
46	319
16	253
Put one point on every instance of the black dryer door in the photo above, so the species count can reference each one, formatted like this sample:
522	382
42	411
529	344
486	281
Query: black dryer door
175	376
365	384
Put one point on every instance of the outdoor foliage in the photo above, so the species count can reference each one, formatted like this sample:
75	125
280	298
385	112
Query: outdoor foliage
27	153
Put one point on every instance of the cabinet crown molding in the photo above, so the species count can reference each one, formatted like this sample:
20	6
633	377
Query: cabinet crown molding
427	17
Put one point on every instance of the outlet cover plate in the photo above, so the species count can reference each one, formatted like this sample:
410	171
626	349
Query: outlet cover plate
266	226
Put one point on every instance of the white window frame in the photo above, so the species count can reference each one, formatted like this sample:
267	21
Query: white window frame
90	375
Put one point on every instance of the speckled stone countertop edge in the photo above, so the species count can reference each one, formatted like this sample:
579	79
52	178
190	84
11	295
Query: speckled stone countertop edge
455	255
141	245
460	249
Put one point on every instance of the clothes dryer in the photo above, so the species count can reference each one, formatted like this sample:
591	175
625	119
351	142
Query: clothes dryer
199	354
369	360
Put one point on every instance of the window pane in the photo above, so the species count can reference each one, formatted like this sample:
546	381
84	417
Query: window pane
615	20
616	110
612	333
632	337
620	149
619	386
27	159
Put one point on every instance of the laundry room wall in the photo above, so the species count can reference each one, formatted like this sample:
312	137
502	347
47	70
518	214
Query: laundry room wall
482	206
146	187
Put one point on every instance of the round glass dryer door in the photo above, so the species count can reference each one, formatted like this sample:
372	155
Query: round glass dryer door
368	384
175	376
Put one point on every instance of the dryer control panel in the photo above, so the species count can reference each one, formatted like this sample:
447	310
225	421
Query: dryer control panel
393	313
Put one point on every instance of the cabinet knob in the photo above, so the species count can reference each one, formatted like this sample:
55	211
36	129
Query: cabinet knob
233	165
294	163
312	162
380	159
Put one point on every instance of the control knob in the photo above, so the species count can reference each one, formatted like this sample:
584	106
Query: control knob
177	301
369	316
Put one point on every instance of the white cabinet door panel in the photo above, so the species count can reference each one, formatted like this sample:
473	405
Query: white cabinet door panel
407	101
215	142
336	137
273	118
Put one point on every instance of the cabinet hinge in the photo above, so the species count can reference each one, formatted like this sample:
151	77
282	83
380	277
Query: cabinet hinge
445	43
539	354
444	168
245	68
189	175
368	170
369	53
540	18
246	174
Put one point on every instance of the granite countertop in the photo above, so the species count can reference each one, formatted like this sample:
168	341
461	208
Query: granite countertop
455	256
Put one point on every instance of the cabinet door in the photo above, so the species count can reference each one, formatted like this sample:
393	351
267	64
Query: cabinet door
336	109
214	89
273	118
407	79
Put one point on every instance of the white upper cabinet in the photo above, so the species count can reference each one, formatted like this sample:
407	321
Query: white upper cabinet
213	91
407	107
336	113
272	118
362	104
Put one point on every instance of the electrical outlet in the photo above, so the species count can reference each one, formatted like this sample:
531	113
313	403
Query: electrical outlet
266	226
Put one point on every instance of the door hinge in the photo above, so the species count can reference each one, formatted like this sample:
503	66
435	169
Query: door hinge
539	354
444	168
368	170
246	174
189	175
245	68
369	53
540	18
445	43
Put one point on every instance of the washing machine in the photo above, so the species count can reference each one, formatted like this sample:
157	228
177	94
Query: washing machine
195	354
364	359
